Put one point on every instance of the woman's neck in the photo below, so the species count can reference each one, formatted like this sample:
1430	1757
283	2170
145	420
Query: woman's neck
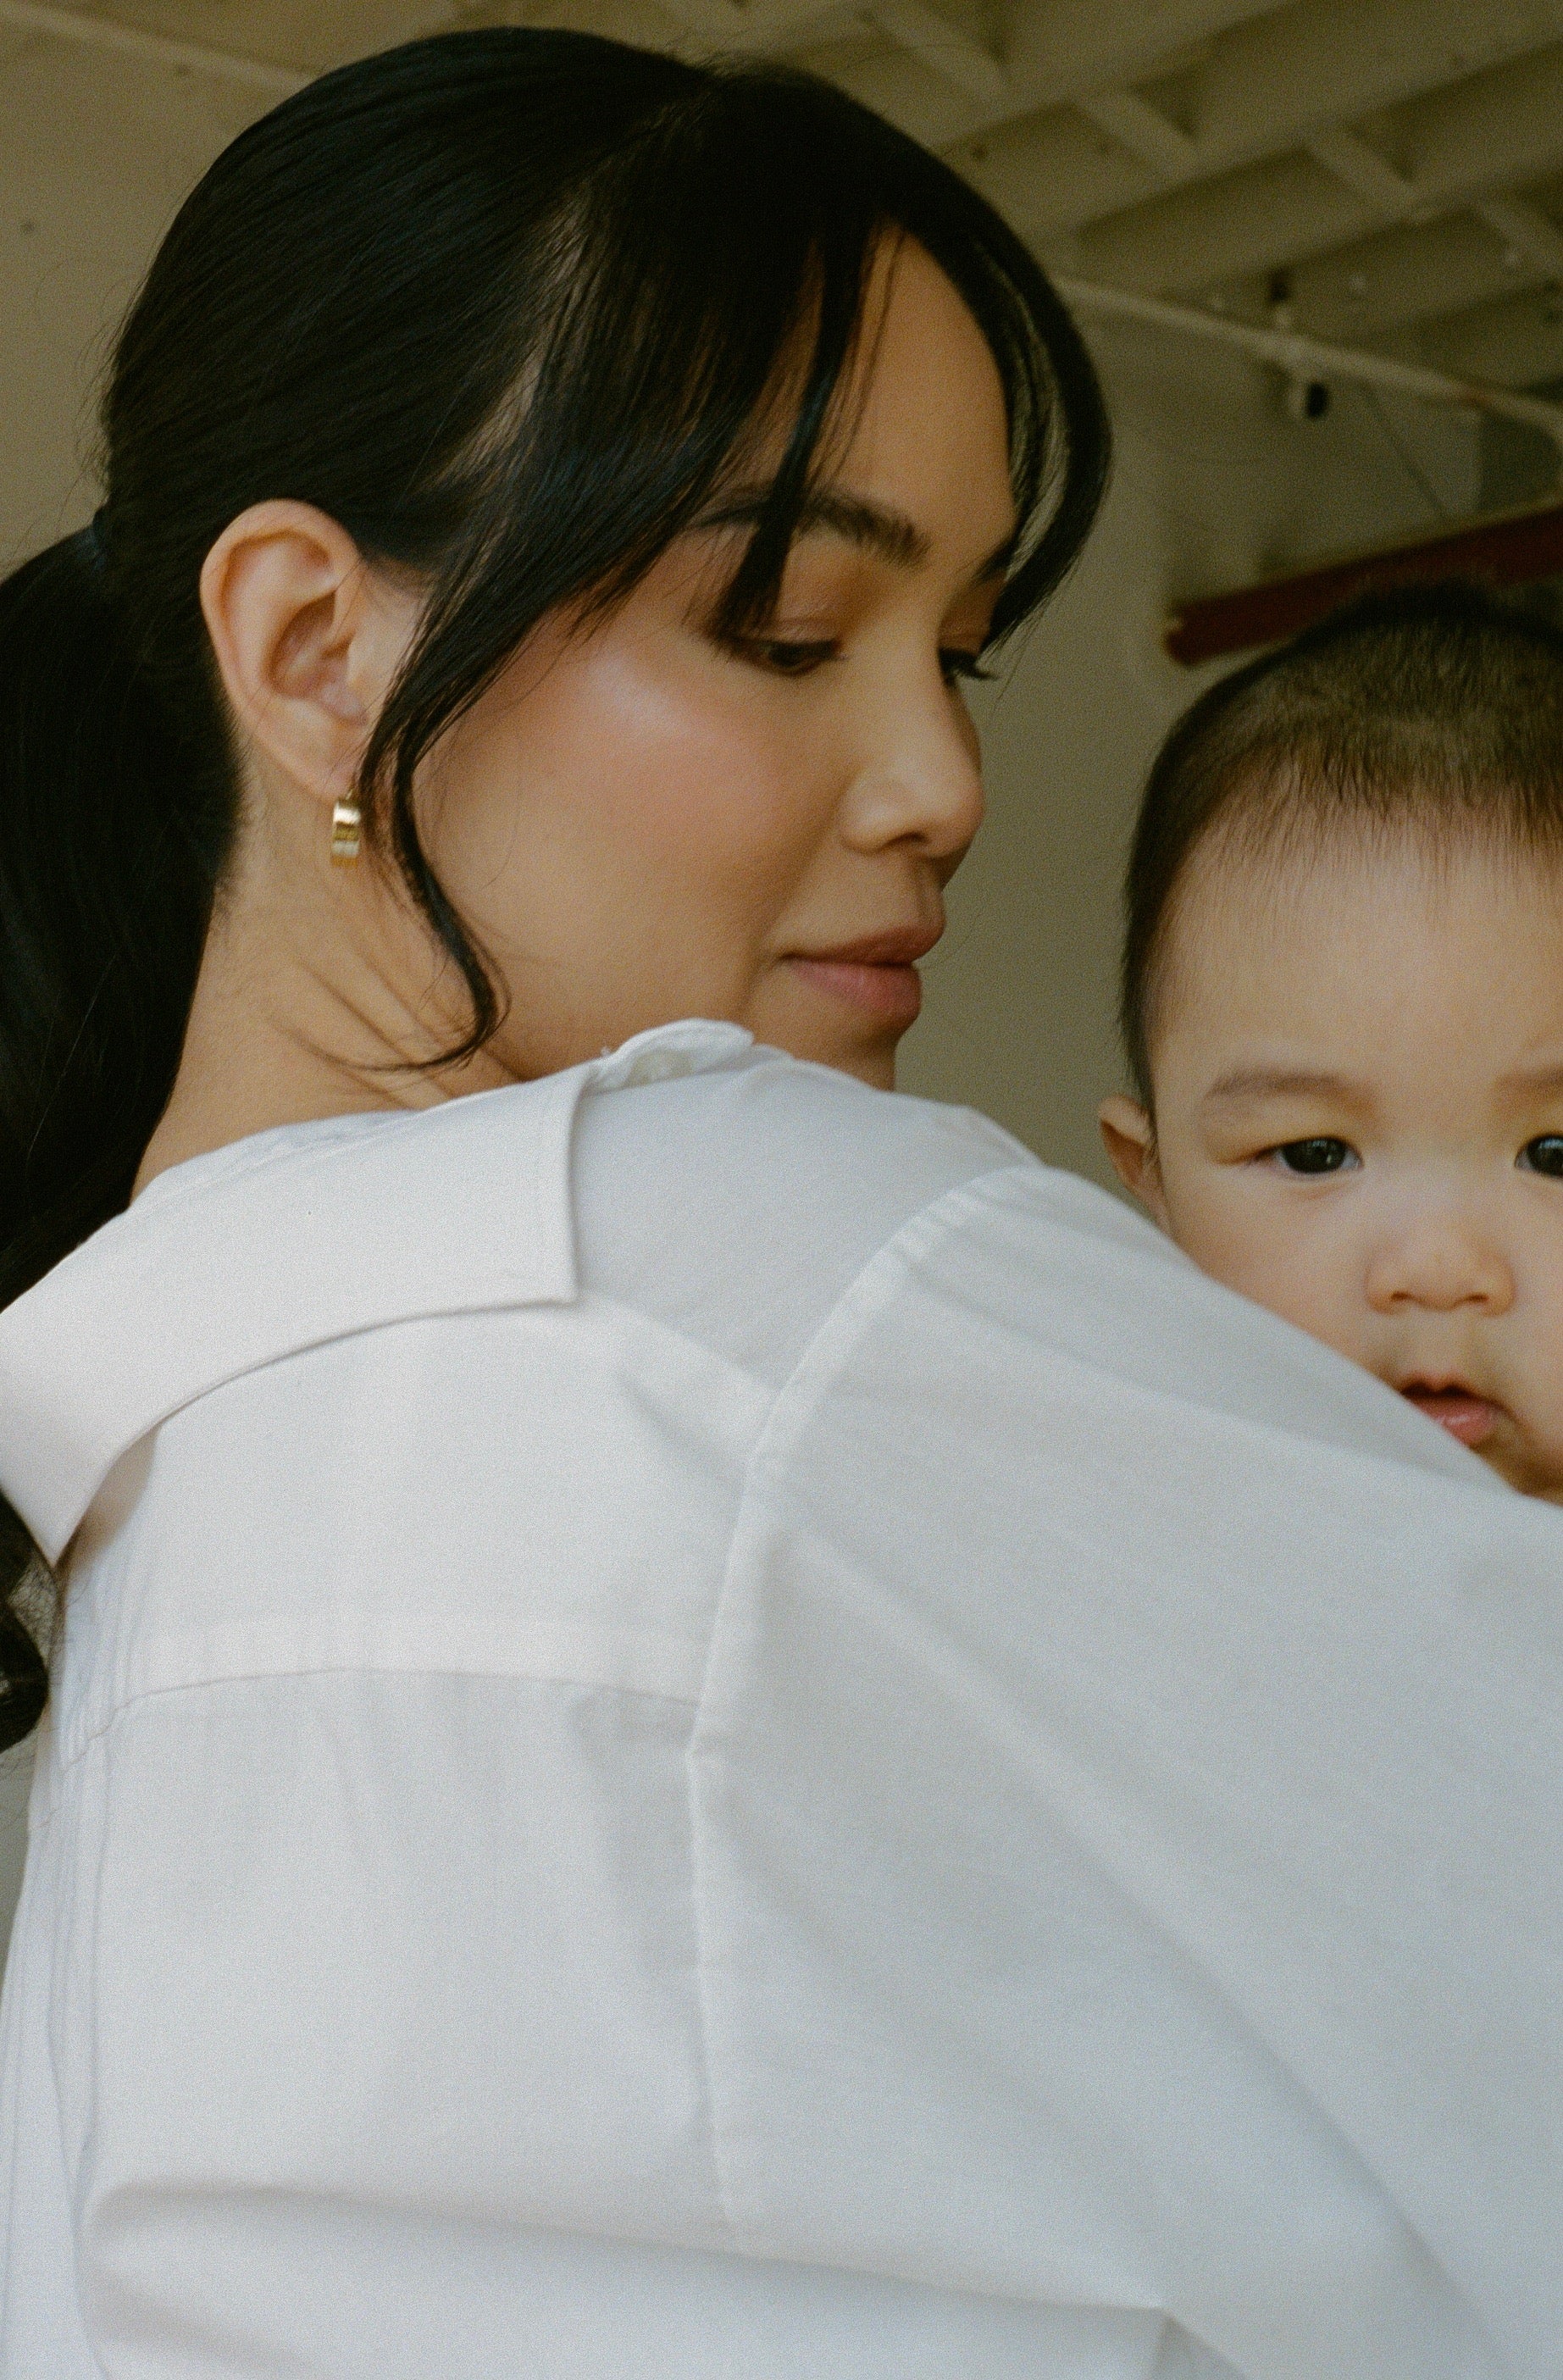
272	1040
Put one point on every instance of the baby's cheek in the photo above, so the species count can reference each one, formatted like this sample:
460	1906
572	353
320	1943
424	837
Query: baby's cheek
1536	1468
1281	1256
1326	1309
1530	1456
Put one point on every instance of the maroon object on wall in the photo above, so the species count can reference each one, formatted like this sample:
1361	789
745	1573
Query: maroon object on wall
1509	550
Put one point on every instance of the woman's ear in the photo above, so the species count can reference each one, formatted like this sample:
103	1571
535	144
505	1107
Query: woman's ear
308	640
1129	1137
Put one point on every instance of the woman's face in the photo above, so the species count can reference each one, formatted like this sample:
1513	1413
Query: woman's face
645	821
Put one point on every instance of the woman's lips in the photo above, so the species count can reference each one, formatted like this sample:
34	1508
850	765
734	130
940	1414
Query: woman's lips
878	975
1468	1417
881	988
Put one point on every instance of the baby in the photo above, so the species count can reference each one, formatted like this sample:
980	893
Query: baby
1344	1004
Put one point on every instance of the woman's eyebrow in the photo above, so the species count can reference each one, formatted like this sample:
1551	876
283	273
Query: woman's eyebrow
873	527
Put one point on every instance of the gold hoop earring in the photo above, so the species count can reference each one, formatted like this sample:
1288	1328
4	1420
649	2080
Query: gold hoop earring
346	829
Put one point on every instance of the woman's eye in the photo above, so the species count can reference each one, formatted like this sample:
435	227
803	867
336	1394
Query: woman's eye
790	658
794	657
957	666
1324	1154
1543	1155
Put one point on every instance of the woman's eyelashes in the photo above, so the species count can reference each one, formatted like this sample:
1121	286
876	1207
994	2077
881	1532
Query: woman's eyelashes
788	657
802	656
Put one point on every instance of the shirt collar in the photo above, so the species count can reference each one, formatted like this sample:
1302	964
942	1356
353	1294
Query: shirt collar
291	1239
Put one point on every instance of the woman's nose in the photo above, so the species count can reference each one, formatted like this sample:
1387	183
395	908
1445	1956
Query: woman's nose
919	777
1441	1262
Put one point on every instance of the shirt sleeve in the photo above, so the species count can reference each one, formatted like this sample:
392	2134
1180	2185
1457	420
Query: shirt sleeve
1128	1790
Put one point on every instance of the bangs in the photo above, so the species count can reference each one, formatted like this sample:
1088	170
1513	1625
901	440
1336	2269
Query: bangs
706	298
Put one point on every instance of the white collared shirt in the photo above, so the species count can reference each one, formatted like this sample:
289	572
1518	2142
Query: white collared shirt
709	1728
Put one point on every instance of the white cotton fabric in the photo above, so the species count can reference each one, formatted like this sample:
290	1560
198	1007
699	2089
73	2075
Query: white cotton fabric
709	1726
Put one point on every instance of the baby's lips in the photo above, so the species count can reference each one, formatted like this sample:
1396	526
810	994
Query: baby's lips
1466	1417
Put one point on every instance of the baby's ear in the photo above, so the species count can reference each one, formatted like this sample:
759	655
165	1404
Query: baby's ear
1129	1137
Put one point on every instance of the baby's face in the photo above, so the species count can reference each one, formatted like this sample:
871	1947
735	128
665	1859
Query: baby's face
1358	1078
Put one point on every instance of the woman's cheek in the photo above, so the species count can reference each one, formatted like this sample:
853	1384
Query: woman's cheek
735	783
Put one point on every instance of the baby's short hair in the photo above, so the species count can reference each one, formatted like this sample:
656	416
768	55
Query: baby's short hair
1435	711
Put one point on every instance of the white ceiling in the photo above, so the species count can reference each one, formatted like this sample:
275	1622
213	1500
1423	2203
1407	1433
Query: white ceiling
1383	172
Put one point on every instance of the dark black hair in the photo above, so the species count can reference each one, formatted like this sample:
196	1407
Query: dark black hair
507	305
1431	711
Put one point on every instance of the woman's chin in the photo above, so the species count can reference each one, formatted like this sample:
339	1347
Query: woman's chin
831	1026
870	1057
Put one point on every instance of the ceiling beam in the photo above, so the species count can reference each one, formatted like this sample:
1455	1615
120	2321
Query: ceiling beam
1323	62
724	25
1528	232
104	33
728	27
1464	144
1347	155
1273	84
721	23
1054	51
1144	131
1058	171
1260	217
943	48
1060	50
1119	147
1401	276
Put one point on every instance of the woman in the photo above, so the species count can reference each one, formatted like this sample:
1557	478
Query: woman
598	1811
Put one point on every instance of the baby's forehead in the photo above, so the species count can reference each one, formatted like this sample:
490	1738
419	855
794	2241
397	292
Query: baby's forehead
1356	934
1270	859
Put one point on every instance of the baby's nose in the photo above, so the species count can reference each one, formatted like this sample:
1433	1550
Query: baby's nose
1441	1262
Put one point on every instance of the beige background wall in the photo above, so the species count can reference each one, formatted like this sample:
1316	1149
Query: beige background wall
1213	485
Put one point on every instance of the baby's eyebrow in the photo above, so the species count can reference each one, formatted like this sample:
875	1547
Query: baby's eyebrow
1248	1083
1528	1081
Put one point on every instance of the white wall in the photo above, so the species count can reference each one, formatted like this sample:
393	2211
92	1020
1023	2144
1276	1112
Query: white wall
1213	486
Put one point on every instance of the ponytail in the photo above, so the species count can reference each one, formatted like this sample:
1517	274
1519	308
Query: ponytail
104	895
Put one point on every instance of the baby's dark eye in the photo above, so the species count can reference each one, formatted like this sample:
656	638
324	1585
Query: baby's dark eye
1543	1155
1323	1155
